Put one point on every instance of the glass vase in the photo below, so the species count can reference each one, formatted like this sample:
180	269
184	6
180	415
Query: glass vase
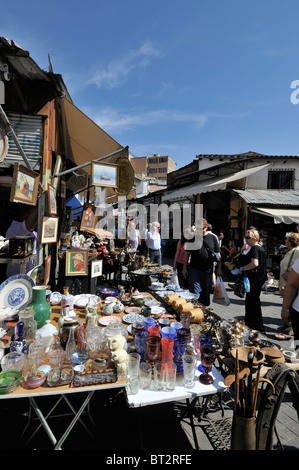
30	326
40	305
19	344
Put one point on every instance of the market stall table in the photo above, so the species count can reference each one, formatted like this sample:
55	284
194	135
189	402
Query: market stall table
150	396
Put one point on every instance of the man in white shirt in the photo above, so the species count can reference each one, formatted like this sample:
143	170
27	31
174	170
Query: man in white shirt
154	244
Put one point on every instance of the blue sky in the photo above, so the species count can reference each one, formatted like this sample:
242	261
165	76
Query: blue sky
177	78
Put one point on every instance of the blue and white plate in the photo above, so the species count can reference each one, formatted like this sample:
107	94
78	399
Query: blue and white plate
16	291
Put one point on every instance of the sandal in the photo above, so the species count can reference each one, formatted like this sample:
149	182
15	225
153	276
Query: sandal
282	336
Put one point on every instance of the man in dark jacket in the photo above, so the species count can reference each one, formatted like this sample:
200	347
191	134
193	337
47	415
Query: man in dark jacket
202	263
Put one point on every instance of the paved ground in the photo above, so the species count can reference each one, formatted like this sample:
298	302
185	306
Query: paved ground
119	429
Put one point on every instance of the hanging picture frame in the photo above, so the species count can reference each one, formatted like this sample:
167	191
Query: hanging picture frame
96	268
104	174
52	202
89	218
49	229
24	187
76	263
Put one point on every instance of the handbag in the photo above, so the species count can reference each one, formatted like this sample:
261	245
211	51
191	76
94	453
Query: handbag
239	288
220	294
213	255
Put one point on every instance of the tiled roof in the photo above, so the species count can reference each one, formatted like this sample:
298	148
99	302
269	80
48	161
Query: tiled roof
249	154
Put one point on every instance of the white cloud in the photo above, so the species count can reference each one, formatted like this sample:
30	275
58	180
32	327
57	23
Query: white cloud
117	71
113	120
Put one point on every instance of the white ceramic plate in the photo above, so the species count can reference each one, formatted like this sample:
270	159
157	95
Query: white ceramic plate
16	291
152	303
104	321
132	317
157	310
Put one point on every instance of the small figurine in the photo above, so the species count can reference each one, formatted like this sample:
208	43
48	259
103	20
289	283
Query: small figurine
117	342
120	357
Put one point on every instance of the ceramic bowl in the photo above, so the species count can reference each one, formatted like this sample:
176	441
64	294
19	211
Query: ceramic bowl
55	298
108	292
36	379
139	301
289	355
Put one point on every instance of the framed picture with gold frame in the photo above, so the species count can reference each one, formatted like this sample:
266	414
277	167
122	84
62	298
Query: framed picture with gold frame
104	174
76	263
24	187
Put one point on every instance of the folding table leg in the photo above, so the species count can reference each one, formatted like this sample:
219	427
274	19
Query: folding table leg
44	423
70	427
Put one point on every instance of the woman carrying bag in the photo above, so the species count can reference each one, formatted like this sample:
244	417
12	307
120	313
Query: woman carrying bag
254	267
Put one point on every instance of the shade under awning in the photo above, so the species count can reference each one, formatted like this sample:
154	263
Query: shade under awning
212	184
287	216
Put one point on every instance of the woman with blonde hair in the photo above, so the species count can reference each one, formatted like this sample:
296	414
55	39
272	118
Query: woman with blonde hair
254	267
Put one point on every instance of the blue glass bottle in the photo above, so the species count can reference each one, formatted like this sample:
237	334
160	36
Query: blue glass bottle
19	344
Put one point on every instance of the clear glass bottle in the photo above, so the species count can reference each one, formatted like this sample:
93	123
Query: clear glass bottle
71	345
56	353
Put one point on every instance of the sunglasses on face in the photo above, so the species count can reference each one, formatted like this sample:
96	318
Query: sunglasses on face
248	238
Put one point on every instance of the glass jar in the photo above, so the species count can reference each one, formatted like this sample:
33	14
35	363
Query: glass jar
113	329
30	325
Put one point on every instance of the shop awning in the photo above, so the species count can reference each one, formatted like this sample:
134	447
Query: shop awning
287	216
84	141
212	184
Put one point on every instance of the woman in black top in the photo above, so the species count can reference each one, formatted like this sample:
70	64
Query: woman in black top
254	267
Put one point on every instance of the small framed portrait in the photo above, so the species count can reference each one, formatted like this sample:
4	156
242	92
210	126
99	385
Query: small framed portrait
52	203
96	268
49	230
76	263
89	218
47	270
24	187
104	174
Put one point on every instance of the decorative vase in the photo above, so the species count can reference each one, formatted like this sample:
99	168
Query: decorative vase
40	305
19	344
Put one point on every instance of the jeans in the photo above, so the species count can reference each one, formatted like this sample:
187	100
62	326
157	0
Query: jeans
156	257
200	282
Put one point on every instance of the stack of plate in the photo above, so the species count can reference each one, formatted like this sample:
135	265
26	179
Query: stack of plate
9	380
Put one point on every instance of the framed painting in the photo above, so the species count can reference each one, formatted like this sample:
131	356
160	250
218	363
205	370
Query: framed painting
76	263
49	230
47	270
52	203
89	218
104	174
24	185
96	268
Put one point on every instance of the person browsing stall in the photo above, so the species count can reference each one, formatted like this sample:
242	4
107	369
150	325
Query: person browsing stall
154	244
254	267
201	263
